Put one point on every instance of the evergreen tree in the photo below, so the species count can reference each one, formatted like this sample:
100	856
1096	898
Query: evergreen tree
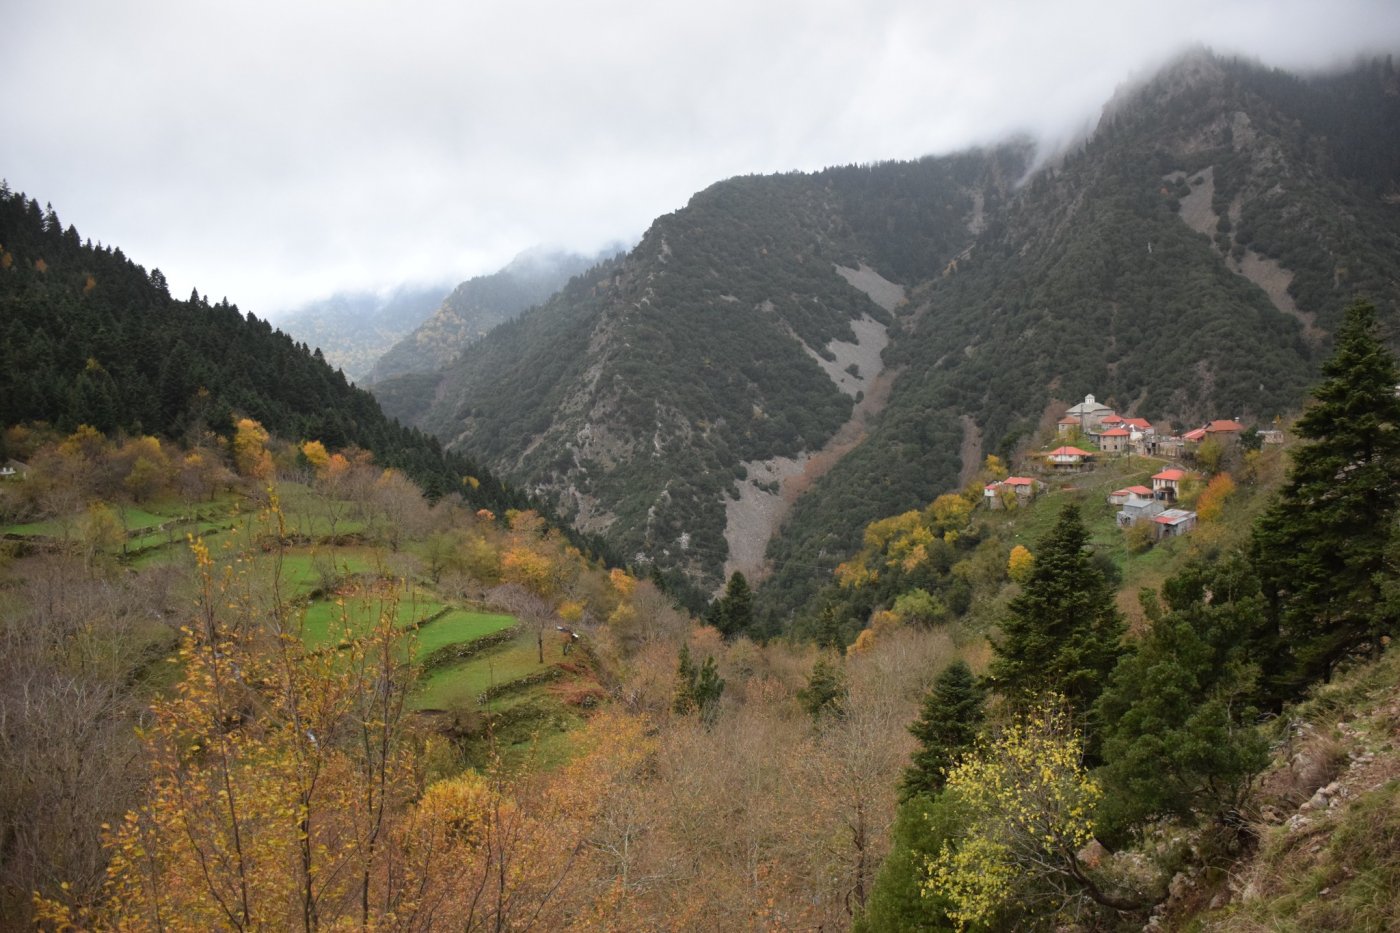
1178	713
698	689
898	902
732	613
951	716
826	691
1320	547
1062	633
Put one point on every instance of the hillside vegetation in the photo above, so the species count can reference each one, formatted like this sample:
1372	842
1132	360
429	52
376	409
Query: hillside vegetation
1218	206
360	704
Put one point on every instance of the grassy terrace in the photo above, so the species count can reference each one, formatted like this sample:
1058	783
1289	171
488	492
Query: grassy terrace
459	685
341	586
459	626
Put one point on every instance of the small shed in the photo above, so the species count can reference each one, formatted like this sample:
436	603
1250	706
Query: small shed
1174	522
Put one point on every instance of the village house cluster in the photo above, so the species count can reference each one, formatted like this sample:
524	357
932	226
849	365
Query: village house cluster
1114	435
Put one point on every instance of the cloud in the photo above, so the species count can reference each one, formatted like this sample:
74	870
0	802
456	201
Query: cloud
274	152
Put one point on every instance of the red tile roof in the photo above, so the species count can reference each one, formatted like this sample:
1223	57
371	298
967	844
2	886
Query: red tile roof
1137	423
1069	452
1140	490
1019	481
1195	435
1115	432
1069	419
1223	427
1167	475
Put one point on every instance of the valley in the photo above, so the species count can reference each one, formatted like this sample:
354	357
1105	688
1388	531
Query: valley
768	575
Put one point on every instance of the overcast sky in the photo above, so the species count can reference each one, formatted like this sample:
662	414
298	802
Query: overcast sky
274	152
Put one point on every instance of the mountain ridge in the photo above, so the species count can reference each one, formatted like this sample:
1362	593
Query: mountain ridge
1195	221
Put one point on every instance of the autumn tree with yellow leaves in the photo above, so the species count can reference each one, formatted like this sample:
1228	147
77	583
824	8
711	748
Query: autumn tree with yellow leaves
1028	804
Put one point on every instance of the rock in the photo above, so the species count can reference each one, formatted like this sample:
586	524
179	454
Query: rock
1250	893
1220	900
1270	815
1296	822
1178	887
1093	854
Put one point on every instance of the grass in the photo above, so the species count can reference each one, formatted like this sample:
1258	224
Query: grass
459	685
458	626
330	621
305	570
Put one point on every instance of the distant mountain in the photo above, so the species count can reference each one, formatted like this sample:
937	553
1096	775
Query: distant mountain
818	350
354	329
476	306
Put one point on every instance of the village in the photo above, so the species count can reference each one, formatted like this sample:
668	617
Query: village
1106	435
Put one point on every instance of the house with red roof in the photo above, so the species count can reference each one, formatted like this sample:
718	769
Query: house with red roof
1014	489
1068	459
1166	484
1120	496
1113	440
1139	505
1223	429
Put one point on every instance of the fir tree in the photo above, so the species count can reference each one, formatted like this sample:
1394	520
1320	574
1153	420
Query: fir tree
951	716
1320	548
899	902
826	691
732	613
1178	713
1062	633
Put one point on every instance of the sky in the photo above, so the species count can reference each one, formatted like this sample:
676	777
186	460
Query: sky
276	152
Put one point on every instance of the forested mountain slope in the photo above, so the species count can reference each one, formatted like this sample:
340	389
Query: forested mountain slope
89	337
637	395
1186	262
473	308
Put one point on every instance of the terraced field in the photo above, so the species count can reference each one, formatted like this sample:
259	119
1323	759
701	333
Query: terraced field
479	667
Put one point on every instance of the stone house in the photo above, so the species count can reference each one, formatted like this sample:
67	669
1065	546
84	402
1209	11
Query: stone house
1113	440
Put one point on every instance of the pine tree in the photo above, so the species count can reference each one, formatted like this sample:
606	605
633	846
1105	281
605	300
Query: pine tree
951	716
1062	633
1320	547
